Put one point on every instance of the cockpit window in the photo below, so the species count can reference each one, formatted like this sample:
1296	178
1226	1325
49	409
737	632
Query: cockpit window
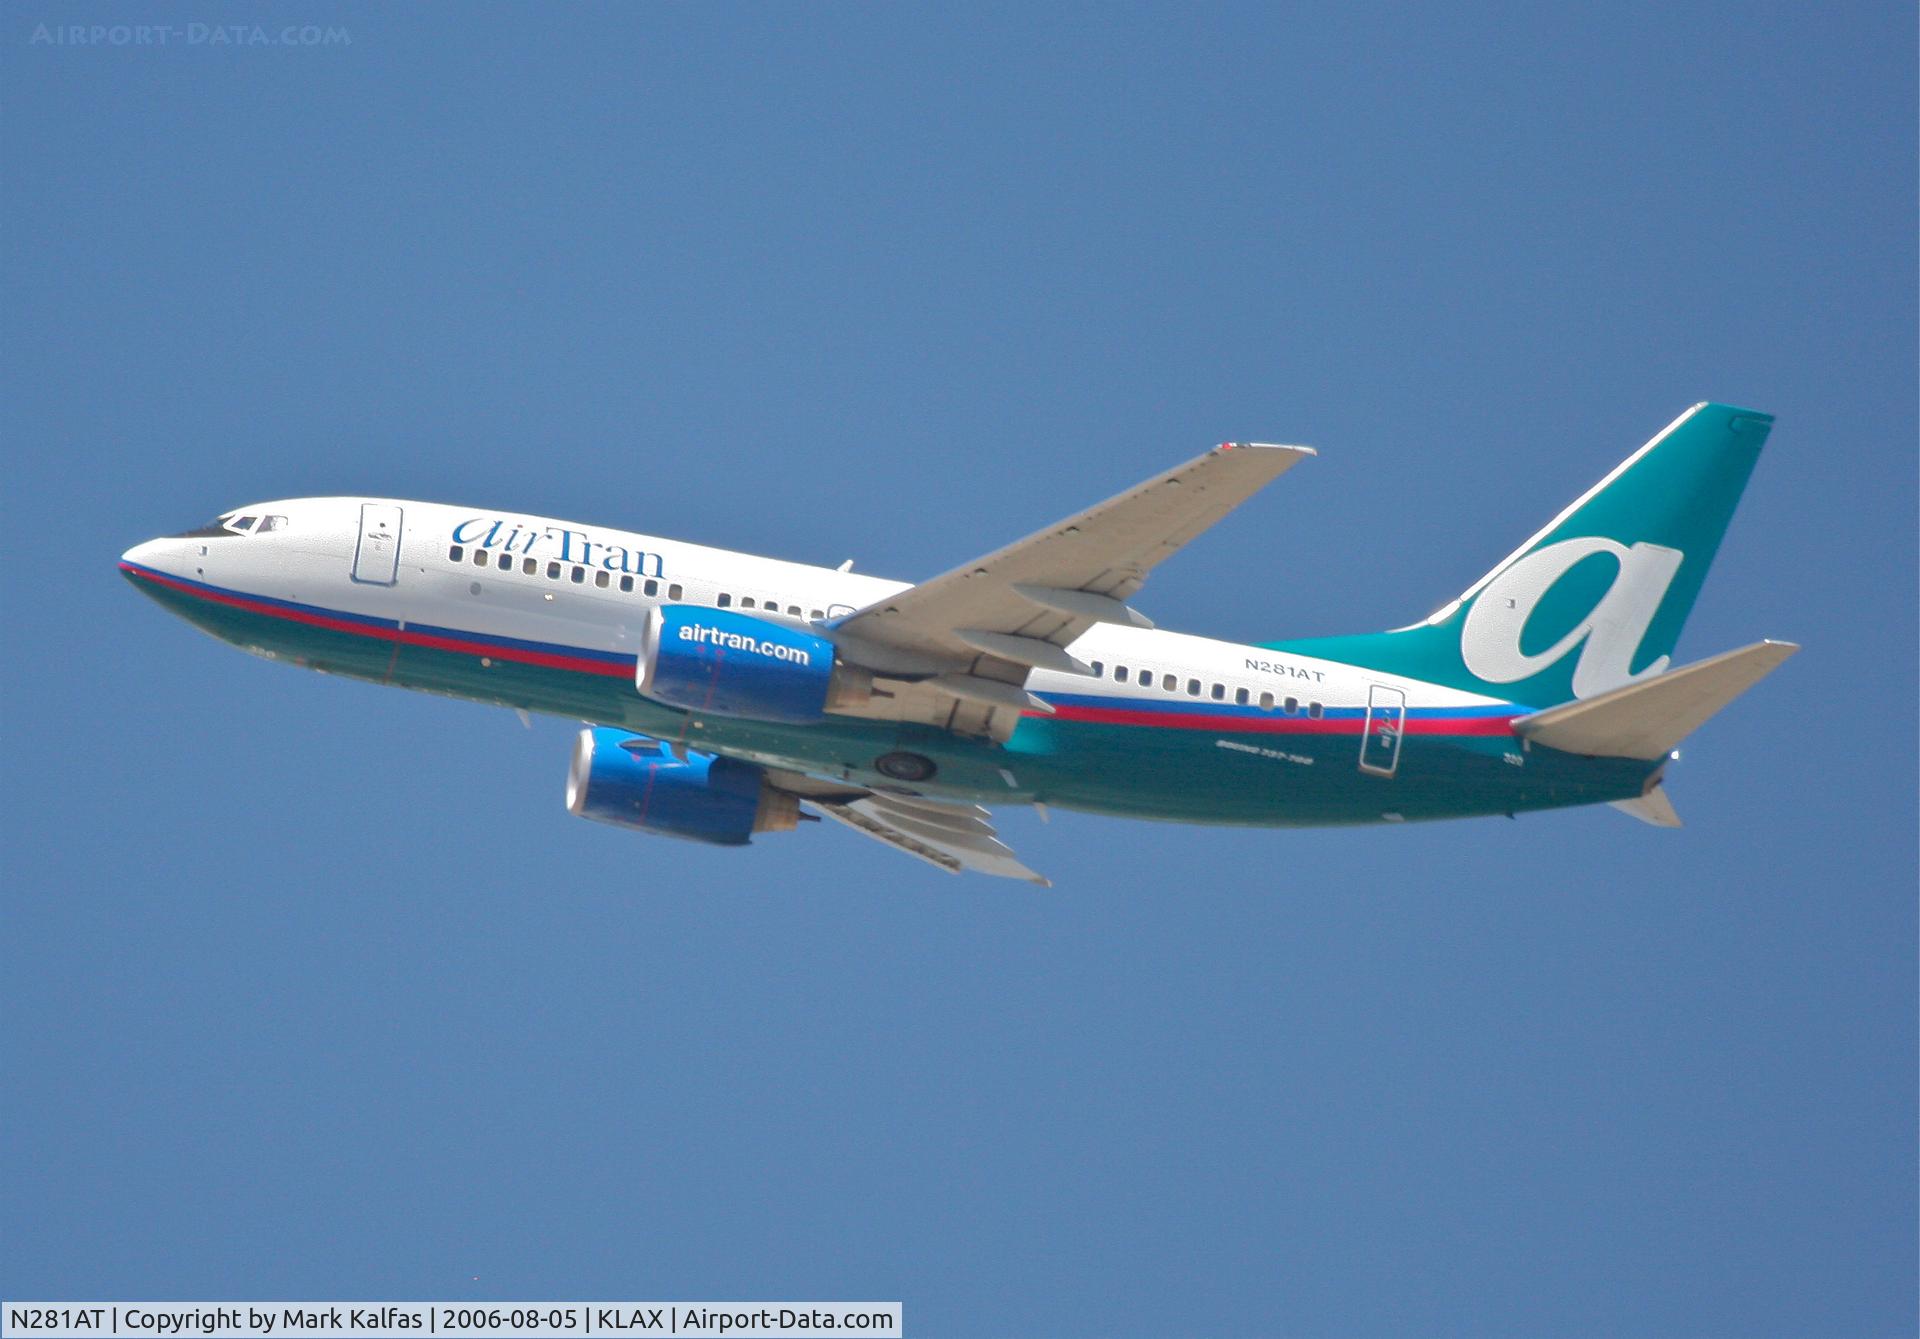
233	523
214	529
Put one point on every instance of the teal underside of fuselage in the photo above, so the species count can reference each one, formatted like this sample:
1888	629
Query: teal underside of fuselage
1175	774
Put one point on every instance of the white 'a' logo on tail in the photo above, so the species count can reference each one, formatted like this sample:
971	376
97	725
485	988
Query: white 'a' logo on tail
1490	637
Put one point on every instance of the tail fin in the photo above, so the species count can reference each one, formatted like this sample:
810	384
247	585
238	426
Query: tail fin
1596	599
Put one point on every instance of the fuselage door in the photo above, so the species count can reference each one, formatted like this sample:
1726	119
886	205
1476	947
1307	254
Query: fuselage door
376	557
1386	721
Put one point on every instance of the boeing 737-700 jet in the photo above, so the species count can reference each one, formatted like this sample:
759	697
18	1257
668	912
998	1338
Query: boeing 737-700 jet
730	695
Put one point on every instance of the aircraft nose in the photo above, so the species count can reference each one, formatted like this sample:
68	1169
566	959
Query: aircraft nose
151	564
147	555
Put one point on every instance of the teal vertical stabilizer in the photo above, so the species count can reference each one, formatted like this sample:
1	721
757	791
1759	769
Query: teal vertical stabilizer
1597	598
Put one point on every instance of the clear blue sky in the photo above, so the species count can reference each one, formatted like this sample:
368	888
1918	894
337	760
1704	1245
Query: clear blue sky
314	990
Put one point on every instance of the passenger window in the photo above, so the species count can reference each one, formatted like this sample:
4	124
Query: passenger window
724	600
1099	670
1119	673
673	591
651	588
746	602
1315	710
1266	701
553	571
1193	688
817	614
626	585
455	554
1293	706
479	557
1170	682
794	609
1219	692
529	567
504	562
579	576
1240	697
603	578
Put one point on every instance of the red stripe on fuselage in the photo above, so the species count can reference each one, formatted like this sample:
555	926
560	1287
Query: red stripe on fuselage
1278	725
458	644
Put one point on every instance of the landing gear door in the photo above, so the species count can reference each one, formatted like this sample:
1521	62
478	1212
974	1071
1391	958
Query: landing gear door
376	557
1386	721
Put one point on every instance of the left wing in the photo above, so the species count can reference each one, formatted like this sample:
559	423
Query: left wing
953	836
950	836
974	633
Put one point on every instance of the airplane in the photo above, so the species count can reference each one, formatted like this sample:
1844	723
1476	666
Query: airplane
728	695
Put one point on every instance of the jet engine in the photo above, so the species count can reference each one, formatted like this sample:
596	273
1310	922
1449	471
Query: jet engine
632	781
727	663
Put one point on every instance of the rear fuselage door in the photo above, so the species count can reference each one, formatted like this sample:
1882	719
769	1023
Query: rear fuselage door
1386	721
376	557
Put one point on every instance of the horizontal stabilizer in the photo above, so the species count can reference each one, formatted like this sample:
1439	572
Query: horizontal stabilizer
1654	807
1648	719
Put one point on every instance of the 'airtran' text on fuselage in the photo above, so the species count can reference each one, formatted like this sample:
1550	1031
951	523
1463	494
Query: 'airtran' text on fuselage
557	542
1283	669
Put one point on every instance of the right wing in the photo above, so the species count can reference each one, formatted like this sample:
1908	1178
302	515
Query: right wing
976	631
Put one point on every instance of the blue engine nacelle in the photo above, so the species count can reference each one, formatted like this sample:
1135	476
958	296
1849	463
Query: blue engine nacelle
726	663
632	781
